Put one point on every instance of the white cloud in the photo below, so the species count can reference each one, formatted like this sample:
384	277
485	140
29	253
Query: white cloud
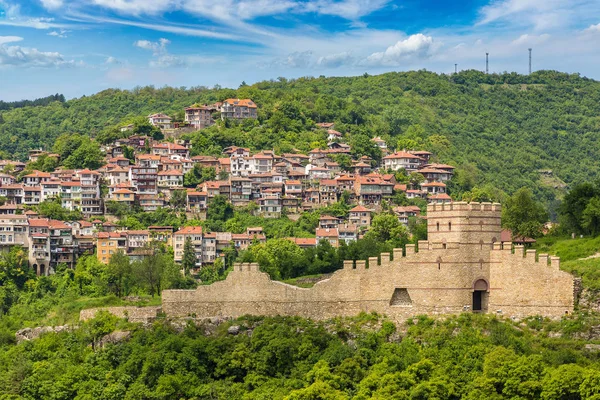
336	60
29	57
593	29
110	60
60	33
52	4
11	16
157	48
297	59
9	39
244	9
167	61
539	14
530	40
348	9
138	7
162	58
415	46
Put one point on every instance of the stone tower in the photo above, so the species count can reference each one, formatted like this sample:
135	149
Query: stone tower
475	226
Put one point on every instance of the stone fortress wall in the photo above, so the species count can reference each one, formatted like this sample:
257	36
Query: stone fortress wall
461	267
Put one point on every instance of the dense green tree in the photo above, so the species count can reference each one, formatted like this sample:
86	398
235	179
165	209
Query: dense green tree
523	215
120	279
219	209
188	262
387	227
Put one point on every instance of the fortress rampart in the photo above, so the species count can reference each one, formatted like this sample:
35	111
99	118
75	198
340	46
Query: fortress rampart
461	267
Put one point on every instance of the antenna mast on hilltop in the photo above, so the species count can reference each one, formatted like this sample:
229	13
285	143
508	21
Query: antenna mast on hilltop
455	68
487	63
530	61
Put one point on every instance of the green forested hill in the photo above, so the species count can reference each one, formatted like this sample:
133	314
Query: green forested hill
500	129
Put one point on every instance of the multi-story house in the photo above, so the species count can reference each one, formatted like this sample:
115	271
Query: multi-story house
120	161
209	248
238	109
161	121
360	216
108	244
124	196
435	175
314	172
206	161
241	191
147	160
433	187
13	193
379	142
347	233
270	207
328	222
179	238
261	163
39	246
167	149
91	202
291	204
368	190
170	180
199	117
117	175
144	179
6	179
62	250
402	160
70	195
332	135
13	231
293	188
406	212
328	191
51	189
36	178
32	195
239	166
424	155
136	240
196	201
161	234
330	235
150	202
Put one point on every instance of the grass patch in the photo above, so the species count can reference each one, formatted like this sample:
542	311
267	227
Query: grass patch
568	249
588	270
306	281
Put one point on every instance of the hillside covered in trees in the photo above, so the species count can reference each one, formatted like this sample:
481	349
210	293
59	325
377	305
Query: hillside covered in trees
500	130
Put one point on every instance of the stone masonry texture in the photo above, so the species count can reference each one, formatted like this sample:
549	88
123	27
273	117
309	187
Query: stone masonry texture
461	267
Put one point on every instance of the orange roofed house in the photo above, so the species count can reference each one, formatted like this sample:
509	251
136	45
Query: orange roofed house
238	109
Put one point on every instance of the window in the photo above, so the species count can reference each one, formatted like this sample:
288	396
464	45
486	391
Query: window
449	226
438	226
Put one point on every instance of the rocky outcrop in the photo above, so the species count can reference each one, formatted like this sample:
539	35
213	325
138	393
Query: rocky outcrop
34	333
113	338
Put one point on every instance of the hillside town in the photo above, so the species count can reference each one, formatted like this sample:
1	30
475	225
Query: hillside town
279	185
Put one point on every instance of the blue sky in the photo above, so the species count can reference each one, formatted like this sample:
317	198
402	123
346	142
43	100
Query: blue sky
79	47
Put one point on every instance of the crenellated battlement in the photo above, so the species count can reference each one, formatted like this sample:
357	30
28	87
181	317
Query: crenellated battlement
519	254
464	207
462	266
246	267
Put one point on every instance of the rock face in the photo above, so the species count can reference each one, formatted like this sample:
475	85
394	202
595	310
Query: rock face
114	337
233	330
34	333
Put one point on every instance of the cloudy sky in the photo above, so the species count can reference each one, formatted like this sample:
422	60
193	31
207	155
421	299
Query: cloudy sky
79	47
